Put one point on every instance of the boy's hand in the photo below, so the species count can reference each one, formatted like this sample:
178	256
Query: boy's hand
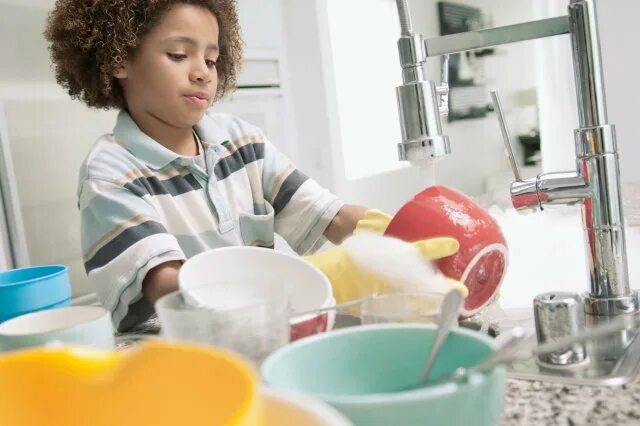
350	281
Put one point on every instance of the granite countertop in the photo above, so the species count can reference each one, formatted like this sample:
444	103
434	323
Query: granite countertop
548	403
544	403
529	403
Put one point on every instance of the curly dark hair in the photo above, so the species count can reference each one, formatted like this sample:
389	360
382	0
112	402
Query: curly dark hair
90	39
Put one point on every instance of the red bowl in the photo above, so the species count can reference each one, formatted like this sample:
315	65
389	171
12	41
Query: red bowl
481	262
311	324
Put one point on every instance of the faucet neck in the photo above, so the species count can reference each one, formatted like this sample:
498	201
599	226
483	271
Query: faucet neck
587	64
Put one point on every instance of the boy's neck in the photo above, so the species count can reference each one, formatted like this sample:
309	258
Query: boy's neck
177	139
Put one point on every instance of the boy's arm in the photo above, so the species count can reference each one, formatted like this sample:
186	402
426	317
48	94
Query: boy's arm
344	223
161	280
123	240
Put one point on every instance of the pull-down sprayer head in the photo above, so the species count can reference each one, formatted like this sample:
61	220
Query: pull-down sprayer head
419	99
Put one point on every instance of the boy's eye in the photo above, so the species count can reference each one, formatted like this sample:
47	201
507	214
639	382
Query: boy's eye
210	63
176	56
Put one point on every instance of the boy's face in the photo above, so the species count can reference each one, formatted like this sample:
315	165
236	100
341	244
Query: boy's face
172	76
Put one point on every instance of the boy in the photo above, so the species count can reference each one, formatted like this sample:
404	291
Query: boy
174	180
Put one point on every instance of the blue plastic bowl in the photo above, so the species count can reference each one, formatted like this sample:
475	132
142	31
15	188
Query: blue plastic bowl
33	289
362	371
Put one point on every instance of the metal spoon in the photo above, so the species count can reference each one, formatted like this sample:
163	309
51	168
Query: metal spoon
449	312
520	346
509	342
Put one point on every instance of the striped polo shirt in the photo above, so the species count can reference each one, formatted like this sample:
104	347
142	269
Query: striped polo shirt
142	204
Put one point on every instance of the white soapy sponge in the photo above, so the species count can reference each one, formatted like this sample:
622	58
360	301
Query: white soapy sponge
396	262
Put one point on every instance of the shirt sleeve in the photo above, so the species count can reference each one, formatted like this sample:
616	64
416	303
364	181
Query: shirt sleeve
303	209
122	239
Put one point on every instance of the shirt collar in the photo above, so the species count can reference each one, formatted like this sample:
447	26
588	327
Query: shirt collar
134	140
205	131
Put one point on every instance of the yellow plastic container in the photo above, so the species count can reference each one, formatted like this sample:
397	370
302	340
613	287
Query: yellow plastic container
154	384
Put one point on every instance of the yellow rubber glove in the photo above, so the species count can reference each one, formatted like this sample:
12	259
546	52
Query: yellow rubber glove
350	281
156	384
373	221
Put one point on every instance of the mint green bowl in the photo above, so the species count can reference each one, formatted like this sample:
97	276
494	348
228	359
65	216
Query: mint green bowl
358	370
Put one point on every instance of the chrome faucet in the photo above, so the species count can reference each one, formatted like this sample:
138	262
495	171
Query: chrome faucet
595	184
421	102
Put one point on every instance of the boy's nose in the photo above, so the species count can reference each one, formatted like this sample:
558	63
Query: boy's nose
198	74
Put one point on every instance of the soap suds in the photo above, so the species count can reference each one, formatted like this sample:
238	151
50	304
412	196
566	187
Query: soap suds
396	262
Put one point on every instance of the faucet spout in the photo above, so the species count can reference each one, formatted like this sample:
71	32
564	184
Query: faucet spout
560	188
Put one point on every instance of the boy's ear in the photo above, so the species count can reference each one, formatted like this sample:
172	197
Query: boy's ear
121	72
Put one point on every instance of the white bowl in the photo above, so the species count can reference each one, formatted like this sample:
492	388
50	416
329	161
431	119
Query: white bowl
81	325
225	277
285	408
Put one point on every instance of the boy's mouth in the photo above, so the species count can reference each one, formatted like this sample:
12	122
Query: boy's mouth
199	99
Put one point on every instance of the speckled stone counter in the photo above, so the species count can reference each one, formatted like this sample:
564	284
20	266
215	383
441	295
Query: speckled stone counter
543	403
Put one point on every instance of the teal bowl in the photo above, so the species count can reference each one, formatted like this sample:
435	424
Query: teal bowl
359	371
32	289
